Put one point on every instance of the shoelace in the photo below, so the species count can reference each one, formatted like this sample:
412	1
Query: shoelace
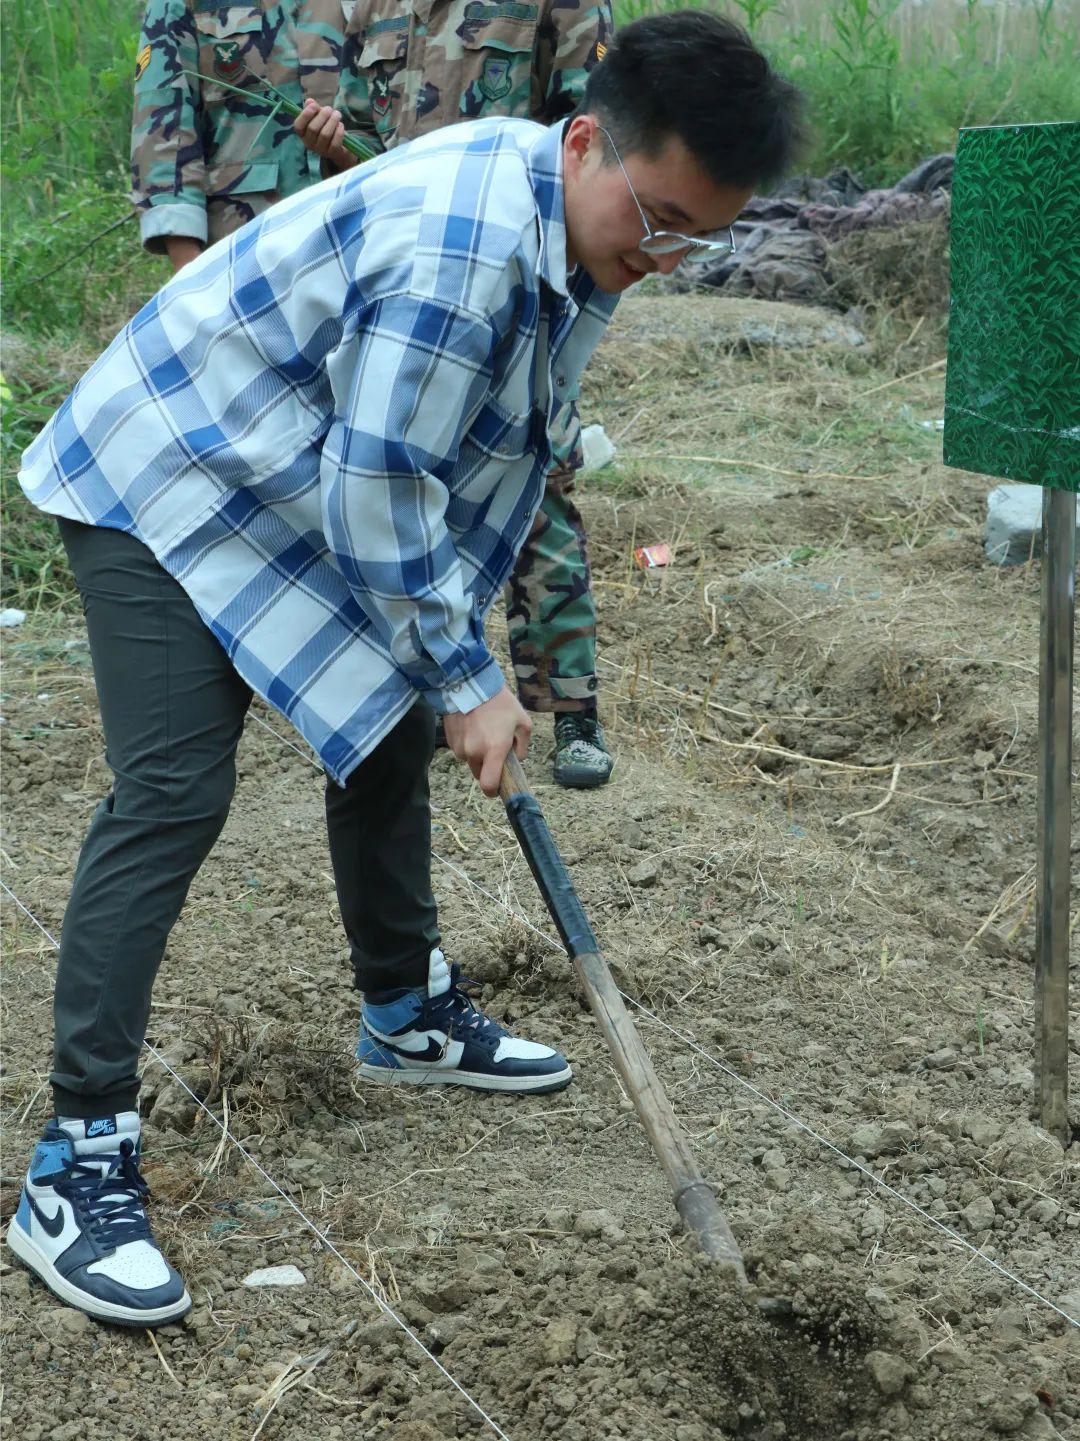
455	1011
111	1201
573	727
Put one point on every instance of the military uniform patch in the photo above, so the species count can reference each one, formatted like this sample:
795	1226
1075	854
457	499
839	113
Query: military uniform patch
495	81
142	60
601	51
227	62
380	94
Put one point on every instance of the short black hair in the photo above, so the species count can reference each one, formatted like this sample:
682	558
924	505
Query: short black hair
698	76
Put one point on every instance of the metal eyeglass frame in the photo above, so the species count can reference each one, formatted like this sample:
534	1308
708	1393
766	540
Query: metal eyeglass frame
665	242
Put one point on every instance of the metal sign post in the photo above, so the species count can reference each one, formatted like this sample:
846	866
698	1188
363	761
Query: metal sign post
1055	794
1012	409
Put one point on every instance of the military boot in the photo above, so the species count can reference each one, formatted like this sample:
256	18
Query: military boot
582	760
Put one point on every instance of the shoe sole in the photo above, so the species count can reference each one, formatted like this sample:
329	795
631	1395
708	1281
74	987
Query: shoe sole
23	1246
522	1085
580	783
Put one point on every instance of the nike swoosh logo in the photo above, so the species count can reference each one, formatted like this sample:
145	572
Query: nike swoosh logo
433	1051
53	1225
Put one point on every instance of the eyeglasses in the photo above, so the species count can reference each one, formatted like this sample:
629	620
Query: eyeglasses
665	242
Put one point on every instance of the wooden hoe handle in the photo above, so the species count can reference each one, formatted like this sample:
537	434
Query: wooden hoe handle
694	1198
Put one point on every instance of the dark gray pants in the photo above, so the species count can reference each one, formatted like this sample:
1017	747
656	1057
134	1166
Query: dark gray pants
173	708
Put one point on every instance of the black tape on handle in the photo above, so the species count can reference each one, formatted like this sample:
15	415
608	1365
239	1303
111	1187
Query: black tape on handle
531	829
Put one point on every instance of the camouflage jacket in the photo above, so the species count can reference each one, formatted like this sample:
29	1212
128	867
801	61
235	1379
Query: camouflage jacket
204	160
411	66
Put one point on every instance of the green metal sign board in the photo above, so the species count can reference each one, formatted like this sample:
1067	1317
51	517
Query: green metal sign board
1012	389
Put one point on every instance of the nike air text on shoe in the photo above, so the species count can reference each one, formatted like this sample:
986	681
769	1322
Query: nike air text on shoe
441	1038
82	1227
582	759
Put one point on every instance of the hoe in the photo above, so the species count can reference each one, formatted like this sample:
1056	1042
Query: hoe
694	1198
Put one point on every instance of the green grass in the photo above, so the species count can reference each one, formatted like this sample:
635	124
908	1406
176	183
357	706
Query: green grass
889	82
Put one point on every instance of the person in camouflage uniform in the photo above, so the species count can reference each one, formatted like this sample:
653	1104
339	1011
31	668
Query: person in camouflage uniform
408	69
205	161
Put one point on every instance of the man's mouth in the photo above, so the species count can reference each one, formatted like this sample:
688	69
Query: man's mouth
634	271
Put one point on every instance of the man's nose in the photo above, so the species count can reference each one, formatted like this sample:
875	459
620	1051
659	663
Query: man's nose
667	263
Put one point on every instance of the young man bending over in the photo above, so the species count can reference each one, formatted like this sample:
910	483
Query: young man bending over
304	469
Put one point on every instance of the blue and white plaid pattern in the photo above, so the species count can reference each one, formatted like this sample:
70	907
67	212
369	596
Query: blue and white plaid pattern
333	427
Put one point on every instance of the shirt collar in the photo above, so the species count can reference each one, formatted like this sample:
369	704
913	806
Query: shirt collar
544	159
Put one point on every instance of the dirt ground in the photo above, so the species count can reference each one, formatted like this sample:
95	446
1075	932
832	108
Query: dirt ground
813	866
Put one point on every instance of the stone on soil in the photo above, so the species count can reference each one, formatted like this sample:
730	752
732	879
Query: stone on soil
979	1214
890	1374
645	873
881	1139
276	1276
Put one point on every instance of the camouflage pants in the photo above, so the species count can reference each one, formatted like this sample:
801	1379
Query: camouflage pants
550	613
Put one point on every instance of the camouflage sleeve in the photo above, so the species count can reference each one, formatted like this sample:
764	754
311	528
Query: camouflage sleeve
354	92
572	38
564	433
168	168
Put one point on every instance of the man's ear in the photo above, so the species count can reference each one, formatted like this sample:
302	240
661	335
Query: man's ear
579	137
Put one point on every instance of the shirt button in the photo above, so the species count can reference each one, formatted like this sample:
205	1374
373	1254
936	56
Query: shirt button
481	600
560	382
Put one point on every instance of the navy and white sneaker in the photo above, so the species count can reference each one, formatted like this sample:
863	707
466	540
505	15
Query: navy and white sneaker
441	1038
82	1227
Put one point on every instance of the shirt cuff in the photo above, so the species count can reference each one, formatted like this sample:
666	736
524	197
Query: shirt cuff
467	692
176	218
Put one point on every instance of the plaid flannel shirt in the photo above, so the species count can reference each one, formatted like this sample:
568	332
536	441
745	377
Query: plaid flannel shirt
333	427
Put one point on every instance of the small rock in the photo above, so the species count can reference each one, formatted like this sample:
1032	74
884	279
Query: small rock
74	1322
874	1139
276	1276
1008	1414
593	1224
68	1431
1039	1427
880	1303
981	1129
444	1330
1026	1150
890	1373
12	617
559	1342
587	1344
943	1060
645	873
950	1358
979	1214
1044	1211
454	1294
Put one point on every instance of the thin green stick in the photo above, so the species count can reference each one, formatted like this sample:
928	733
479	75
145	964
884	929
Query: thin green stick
352	143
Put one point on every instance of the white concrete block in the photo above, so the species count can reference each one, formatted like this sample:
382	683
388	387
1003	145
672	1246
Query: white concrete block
1013	523
276	1276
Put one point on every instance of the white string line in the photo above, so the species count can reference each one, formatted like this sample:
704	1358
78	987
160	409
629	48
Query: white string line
323	1237
782	1110
742	1081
